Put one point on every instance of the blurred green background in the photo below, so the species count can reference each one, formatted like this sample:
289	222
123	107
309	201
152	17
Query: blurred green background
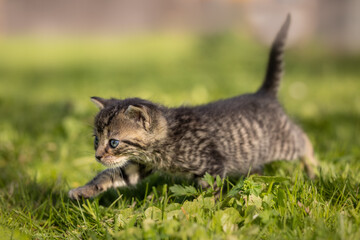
46	115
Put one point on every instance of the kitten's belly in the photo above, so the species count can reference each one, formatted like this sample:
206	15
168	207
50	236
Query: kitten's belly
247	158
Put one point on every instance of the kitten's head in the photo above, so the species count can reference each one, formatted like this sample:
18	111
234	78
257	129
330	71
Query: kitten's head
126	129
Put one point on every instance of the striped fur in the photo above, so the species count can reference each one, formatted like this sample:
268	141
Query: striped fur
223	138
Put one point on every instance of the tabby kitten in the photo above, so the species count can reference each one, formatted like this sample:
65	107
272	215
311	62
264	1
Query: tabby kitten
134	137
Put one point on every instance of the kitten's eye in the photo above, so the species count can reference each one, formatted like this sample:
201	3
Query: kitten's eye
96	141
113	143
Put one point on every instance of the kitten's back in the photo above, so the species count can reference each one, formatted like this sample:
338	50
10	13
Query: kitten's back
244	131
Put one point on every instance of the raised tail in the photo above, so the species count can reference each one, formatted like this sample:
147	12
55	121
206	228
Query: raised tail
274	70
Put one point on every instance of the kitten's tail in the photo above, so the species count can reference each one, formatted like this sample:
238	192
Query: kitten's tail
274	70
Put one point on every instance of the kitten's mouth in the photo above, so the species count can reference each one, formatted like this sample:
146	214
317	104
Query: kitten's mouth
113	161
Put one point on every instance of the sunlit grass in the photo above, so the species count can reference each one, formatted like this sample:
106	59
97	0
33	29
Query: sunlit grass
46	143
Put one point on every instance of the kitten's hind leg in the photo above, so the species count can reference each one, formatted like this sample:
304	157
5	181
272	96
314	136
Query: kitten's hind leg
308	160
131	174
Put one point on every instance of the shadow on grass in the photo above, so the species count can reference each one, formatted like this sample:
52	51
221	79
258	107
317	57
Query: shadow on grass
150	187
34	119
334	131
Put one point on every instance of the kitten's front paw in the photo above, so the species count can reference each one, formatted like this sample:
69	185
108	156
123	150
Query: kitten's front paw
86	191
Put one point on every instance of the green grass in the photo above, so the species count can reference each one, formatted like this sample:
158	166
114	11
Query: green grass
46	143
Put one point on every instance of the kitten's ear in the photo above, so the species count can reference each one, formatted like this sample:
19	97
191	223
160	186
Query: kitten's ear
138	113
99	102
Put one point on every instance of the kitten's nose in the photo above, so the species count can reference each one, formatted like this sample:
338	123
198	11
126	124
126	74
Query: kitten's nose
98	157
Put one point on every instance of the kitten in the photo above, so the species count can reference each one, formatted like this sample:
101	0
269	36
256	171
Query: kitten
134	137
